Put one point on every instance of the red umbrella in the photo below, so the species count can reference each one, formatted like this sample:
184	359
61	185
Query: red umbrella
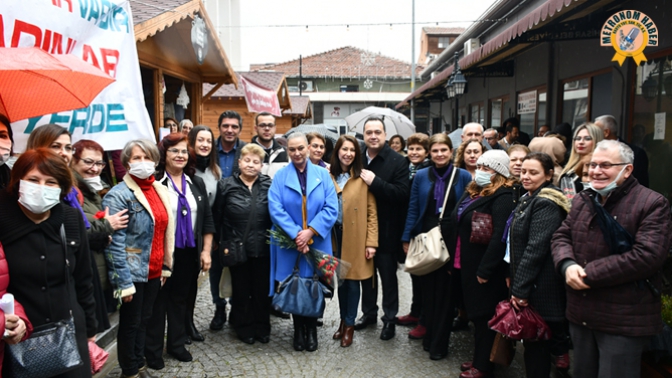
34	83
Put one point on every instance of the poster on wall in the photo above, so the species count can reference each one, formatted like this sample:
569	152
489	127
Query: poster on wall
100	32
527	102
659	126
260	99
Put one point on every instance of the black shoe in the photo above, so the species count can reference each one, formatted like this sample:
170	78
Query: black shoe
363	322
156	364
437	356
388	331
187	341
219	319
279	314
247	340
182	355
311	339
460	325
320	323
193	333
425	348
143	373
263	339
299	342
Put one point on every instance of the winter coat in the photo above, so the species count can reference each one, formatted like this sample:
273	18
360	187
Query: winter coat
615	303
285	206
232	212
360	227
128	254
276	158
36	261
391	188
532	271
18	309
485	261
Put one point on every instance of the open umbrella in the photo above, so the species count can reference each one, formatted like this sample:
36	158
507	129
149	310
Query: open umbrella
395	122
323	129
34	83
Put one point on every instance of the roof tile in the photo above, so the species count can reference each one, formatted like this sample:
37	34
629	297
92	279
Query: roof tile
435	30
144	10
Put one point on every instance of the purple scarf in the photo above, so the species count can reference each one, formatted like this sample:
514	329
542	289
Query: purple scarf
71	200
440	186
184	235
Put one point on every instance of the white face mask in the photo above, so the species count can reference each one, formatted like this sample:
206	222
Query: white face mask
483	178
38	198
610	187
142	170
94	182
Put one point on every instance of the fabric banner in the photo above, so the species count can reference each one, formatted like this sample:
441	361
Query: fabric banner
260	99
101	33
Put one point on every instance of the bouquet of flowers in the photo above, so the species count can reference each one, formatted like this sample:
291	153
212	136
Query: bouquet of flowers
329	268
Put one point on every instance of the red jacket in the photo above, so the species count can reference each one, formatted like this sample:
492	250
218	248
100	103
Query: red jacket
18	309
615	303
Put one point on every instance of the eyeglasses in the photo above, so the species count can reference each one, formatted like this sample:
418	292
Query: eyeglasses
604	166
90	163
317	146
178	152
585	138
266	125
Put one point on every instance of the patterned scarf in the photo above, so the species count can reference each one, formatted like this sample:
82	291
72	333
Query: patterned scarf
184	236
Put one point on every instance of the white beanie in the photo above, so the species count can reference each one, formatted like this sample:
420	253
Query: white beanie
497	160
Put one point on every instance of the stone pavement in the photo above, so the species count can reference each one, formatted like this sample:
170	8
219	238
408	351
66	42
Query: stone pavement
223	355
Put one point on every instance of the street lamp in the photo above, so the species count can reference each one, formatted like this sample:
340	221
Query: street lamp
456	86
450	89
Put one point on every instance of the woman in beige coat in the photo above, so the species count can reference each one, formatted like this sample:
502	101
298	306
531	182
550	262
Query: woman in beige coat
352	242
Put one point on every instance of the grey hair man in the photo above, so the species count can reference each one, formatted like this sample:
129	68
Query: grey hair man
472	130
492	138
609	127
613	301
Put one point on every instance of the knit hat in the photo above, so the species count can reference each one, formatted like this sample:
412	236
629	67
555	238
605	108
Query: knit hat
497	160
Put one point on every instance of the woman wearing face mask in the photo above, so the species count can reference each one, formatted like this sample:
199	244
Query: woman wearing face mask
534	280
193	244
31	221
467	155
426	202
316	148
141	255
482	266
586	137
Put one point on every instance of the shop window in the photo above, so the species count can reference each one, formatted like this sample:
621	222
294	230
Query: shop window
349	88
585	98
443	42
477	113
500	109
532	109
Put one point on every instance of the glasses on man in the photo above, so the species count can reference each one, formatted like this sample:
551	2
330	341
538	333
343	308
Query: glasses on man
604	166
266	125
585	138
175	151
90	163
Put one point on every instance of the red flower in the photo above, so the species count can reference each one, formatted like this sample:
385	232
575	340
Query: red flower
99	215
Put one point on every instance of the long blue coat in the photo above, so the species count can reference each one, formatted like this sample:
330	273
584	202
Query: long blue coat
284	203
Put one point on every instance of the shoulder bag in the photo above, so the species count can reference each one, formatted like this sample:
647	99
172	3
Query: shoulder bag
427	252
300	296
481	228
233	250
52	348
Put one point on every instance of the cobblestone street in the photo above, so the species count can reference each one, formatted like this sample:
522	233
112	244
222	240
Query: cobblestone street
223	355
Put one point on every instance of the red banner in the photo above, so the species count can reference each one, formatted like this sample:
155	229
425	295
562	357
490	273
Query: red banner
260	99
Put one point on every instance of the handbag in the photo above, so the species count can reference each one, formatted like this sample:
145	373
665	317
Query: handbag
481	228
502	351
300	296
233	250
51	349
427	251
526	324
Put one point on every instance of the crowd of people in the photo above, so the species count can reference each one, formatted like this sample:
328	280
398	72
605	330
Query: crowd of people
520	217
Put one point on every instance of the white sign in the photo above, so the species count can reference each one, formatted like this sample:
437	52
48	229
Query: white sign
101	33
659	127
527	102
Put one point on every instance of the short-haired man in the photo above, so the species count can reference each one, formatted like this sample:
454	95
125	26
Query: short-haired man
276	155
230	124
609	126
386	174
472	130
543	129
512	132
491	137
612	304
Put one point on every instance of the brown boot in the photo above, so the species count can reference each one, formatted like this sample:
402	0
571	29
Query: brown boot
339	334
348	333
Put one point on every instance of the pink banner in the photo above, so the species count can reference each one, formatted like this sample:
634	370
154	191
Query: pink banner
260	99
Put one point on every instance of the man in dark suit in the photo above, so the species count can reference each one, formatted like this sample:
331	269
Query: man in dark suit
386	174
609	126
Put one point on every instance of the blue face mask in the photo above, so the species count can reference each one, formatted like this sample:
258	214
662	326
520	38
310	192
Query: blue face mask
483	178
610	187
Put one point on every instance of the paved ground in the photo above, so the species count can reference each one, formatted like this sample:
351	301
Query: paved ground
223	355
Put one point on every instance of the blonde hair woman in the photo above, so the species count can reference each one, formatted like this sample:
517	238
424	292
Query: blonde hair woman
586	137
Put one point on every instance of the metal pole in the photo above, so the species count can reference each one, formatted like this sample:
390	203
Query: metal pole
300	75
413	61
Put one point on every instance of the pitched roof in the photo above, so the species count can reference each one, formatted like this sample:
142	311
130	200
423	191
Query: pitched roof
299	105
270	80
147	9
347	62
436	30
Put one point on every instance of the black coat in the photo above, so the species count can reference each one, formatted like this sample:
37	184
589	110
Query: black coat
485	261
391	188
37	269
233	210
533	275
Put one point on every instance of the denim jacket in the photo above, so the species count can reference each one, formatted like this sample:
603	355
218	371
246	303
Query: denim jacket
128	254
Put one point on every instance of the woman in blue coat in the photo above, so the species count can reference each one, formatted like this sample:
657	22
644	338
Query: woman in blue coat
302	202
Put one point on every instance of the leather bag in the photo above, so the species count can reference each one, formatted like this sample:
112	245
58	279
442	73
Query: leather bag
526	324
427	251
481	228
51	349
233	250
300	296
502	351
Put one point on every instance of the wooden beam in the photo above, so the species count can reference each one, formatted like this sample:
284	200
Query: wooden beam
212	91
159	23
153	61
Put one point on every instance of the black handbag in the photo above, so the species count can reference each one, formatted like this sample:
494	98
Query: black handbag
300	296
233	250
51	349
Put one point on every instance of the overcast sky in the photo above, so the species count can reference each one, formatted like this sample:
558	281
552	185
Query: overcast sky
263	44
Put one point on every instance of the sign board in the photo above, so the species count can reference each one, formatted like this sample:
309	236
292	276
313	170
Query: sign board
629	32
527	102
260	99
101	33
